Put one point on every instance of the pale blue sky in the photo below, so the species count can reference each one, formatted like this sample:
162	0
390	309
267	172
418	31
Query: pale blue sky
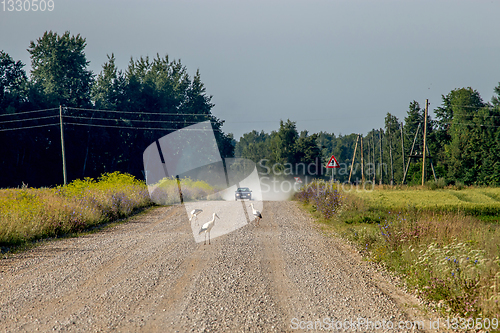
336	66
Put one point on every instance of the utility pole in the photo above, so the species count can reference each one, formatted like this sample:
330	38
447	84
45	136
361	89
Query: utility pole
411	153
374	163
424	151
369	151
62	145
353	157
381	161
402	148
362	165
390	154
432	165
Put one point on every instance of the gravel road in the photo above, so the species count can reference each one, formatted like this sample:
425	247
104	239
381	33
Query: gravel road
150	275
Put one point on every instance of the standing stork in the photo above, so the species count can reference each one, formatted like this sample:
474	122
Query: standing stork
194	214
207	227
256	213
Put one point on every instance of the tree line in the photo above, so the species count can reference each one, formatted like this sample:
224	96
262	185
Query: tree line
463	145
109	118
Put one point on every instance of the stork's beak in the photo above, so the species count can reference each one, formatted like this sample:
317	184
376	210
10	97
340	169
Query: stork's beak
217	216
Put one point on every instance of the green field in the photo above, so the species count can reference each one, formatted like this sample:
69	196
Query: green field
473	201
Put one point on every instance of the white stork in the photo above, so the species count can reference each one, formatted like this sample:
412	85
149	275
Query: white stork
256	213
194	214
207	227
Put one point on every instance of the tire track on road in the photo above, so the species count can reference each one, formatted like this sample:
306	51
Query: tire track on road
169	309
283	289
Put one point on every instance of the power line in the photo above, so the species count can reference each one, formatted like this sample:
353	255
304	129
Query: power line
19	128
18	113
30	119
147	113
182	114
477	125
141	120
474	115
141	128
468	106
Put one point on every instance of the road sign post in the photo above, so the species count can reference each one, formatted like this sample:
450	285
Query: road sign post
332	163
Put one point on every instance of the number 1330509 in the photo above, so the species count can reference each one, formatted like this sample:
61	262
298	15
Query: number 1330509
27	5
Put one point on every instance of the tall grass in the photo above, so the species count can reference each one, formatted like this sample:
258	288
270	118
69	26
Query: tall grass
28	214
477	201
446	256
166	191
323	197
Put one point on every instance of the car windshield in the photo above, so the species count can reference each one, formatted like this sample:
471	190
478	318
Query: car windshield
243	189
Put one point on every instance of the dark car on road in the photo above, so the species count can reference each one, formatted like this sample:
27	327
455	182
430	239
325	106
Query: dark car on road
243	193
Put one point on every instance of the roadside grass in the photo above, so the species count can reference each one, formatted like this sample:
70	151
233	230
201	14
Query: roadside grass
26	246
445	252
166	191
29	214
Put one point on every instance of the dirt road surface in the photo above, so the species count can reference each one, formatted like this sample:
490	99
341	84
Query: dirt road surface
149	275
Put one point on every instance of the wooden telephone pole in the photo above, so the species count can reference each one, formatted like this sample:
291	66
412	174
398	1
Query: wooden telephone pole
402	148
424	151
374	163
390	154
411	154
380	166
353	157
362	164
62	145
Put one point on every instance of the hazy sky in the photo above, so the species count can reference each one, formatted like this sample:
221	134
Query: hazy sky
335	66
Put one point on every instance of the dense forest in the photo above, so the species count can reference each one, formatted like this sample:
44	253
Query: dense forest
463	146
108	119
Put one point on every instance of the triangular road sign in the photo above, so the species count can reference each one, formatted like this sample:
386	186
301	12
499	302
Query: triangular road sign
333	163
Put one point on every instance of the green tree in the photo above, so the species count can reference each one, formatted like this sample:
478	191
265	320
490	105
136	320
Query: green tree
59	69
461	106
308	153
495	100
285	144
22	150
108	88
254	146
414	118
13	84
160	86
